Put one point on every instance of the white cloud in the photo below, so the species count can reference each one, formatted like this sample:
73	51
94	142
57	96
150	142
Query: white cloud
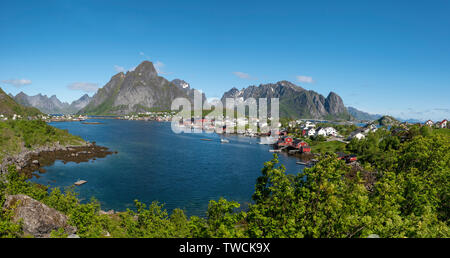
435	114
159	66
304	79
242	75
141	53
83	86
17	82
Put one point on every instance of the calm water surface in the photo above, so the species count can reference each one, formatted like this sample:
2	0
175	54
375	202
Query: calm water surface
153	163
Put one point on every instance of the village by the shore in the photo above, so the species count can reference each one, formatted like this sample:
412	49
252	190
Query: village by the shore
304	138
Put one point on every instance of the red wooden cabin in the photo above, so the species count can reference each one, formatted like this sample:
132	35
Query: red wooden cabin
299	144
305	148
286	141
351	158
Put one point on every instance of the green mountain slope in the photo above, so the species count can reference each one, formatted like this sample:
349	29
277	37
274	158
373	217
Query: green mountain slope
9	107
387	121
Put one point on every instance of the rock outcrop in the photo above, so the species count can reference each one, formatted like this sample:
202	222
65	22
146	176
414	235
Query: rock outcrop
186	87
29	161
37	219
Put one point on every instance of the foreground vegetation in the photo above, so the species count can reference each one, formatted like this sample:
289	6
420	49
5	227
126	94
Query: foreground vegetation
19	135
321	145
407	195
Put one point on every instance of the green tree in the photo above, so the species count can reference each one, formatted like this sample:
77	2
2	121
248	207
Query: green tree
222	221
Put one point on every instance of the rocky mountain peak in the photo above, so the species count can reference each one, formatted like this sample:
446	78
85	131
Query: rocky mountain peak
295	102
181	83
80	103
233	93
146	69
334	104
332	95
140	90
84	97
118	75
21	94
285	83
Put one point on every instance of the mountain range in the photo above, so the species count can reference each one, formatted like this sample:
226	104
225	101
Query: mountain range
9	107
144	90
361	115
295	101
51	105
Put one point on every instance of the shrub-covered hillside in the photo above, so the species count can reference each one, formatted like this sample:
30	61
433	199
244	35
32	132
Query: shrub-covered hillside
19	135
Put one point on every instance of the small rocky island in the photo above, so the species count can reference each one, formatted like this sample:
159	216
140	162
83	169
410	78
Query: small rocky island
30	161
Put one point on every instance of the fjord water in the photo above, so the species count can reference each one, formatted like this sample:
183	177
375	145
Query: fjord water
155	164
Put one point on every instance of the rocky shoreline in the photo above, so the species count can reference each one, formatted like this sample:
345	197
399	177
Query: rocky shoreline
38	219
29	161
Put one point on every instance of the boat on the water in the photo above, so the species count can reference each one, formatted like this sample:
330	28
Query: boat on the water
80	182
224	141
204	139
306	164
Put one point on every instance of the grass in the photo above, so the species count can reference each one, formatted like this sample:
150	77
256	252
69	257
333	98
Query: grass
343	130
442	131
330	146
19	135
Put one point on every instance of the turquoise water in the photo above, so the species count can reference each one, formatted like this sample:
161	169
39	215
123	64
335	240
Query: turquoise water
155	164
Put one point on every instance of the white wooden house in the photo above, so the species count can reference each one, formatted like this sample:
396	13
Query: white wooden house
321	131
311	132
331	131
359	136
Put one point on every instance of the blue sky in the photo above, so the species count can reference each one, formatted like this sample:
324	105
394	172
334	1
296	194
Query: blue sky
379	56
